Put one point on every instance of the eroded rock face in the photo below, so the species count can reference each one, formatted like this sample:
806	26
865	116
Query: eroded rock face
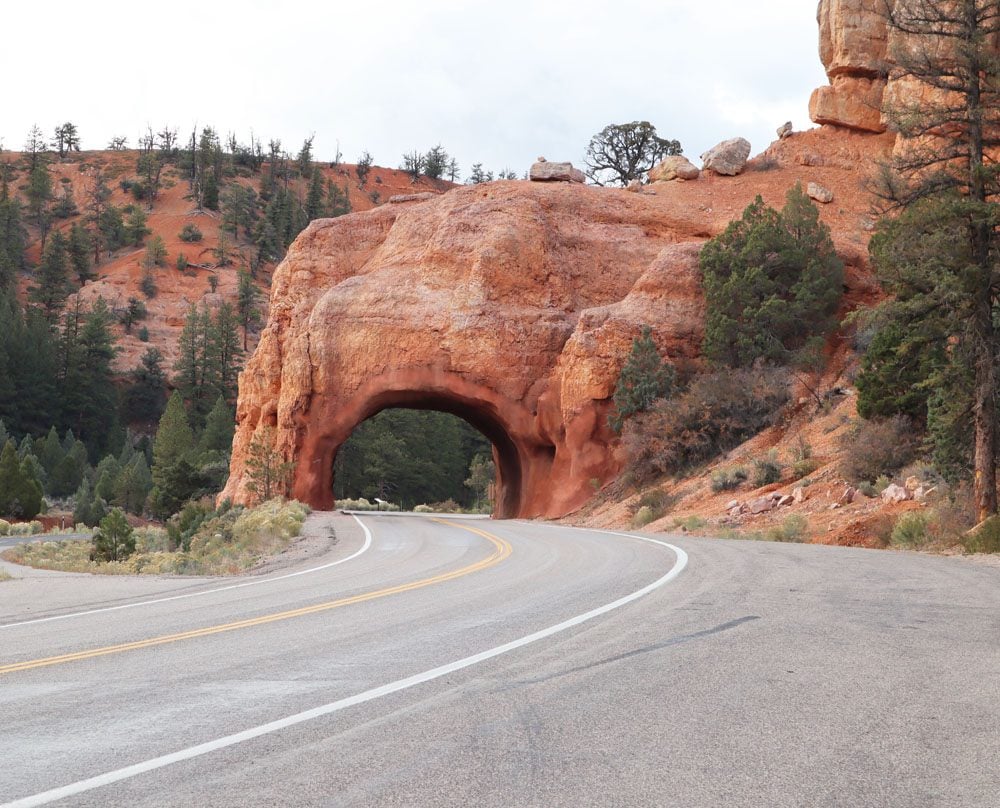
510	304
853	46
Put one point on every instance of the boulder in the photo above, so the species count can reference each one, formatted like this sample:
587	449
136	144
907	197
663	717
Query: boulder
762	505
675	167
850	494
912	484
785	130
733	504
545	171
820	193
799	494
894	494
634	187
788	499
729	158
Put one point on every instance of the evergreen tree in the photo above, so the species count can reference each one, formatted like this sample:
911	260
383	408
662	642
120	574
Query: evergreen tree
268	474
12	236
175	479
20	492
217	437
239	210
944	172
338	201
315	198
644	378
772	284
52	453
88	508
246	304
28	395
80	247
146	395
70	472
134	485
39	194
135	226
52	283
113	540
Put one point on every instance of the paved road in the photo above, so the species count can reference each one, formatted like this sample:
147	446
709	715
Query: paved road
759	675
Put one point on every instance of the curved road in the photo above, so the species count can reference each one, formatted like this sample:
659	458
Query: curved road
473	663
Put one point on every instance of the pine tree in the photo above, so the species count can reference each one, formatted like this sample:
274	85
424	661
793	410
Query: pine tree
173	474
246	304
644	378
20	492
772	284
146	395
944	172
268	474
217	437
315	207
80	247
135	226
39	196
114	539
12	236
52	284
52	453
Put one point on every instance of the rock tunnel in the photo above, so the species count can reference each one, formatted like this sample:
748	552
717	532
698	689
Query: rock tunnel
511	305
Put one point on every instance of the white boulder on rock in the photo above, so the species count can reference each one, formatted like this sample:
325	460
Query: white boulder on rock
545	171
674	167
728	158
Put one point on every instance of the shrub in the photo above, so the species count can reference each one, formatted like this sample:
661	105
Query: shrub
643	517
143	334
148	285
792	529
803	468
182	262
717	412
690	522
657	499
190	233
423	509
644	378
868	489
772	284
911	530
766	470
4	527
448	506
878	447
728	479
986	539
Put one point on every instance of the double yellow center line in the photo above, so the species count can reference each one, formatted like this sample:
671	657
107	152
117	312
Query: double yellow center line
500	552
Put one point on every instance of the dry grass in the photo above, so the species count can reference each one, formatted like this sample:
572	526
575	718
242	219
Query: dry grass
226	545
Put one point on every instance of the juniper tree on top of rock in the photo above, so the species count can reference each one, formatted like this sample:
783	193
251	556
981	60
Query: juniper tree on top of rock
622	152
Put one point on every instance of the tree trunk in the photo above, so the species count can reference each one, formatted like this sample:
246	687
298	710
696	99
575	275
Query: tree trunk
984	414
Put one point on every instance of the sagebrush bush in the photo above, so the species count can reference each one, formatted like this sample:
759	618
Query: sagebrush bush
766	471
423	509
4	527
986	539
643	517
363	504
657	500
911	530
716	413
803	468
728	479
878	447
792	529
691	522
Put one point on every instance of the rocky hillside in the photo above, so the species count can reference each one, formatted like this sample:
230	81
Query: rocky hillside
118	276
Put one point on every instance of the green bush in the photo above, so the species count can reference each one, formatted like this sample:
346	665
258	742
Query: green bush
190	233
143	334
148	285
728	479
182	262
772	284
4	527
766	471
657	500
691	522
911	530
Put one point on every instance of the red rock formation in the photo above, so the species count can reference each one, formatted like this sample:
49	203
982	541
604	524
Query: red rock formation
509	304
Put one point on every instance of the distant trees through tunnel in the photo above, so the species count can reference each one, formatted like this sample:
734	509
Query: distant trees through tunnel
416	457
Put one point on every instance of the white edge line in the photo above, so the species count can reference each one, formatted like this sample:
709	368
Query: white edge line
117	775
364	548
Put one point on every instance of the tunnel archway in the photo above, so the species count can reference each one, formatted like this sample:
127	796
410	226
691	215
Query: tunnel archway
517	457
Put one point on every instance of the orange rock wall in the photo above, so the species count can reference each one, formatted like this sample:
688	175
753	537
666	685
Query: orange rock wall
511	304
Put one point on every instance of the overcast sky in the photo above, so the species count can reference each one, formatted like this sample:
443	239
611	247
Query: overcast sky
498	83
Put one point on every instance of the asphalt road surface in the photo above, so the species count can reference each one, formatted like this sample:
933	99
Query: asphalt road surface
471	663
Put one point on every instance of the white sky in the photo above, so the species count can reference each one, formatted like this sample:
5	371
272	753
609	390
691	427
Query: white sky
498	83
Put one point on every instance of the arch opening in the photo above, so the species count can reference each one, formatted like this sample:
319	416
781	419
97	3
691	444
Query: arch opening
507	459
